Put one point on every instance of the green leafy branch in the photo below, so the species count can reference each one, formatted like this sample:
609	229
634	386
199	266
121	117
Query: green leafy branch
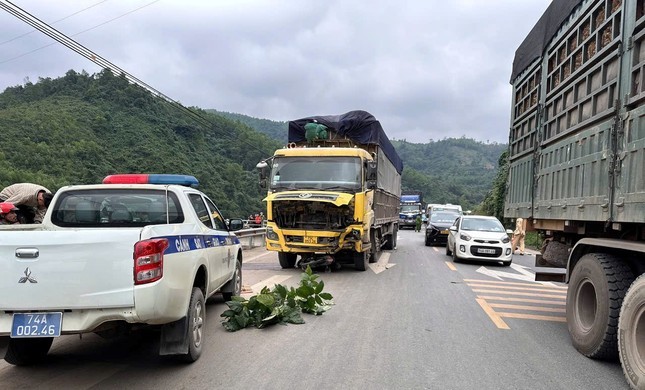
278	305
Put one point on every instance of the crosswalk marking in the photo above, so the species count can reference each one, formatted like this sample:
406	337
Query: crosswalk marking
519	300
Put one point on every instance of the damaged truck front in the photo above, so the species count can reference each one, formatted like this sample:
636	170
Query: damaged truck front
333	192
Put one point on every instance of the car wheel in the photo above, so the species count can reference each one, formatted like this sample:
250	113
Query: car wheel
24	352
455	258
631	344
427	241
596	290
234	286
196	321
287	260
361	260
448	251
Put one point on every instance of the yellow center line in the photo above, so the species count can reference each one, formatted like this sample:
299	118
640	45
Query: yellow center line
519	293
525	300
523	307
451	266
492	314
532	317
545	289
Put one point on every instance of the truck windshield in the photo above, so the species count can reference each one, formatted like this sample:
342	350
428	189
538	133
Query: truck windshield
116	208
319	173
410	208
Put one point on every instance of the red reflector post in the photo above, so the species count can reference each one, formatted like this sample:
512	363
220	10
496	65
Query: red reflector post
148	260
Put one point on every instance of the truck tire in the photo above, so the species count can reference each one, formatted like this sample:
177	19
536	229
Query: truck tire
596	290
234	286
390	240
631	334
361	260
287	260
196	320
24	352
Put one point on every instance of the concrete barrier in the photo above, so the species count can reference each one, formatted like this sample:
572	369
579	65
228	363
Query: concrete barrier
251	238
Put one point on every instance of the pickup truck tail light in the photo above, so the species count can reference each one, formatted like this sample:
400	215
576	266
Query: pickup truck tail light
148	260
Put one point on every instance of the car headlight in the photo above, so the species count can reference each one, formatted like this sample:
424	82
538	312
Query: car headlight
464	236
506	239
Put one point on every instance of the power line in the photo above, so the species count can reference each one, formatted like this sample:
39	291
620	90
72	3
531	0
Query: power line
105	64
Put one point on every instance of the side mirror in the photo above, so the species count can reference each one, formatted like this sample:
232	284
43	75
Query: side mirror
235	224
371	175
262	168
453	228
509	231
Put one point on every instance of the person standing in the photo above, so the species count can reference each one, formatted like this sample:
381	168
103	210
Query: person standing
417	223
518	235
31	199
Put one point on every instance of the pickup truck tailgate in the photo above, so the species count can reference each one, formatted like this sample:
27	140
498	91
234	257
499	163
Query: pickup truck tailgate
71	269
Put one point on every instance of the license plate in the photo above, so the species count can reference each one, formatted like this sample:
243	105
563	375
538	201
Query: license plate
36	325
444	232
311	240
485	250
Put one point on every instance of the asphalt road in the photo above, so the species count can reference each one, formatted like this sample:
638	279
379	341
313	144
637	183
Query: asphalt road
415	320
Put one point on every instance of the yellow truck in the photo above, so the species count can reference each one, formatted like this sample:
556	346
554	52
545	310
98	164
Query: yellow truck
333	193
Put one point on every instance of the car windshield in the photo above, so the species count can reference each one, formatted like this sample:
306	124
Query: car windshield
336	172
116	208
443	217
482	225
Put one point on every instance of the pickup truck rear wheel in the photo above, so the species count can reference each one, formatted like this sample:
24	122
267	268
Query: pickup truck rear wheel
596	290
287	260
196	318
233	286
631	333
24	352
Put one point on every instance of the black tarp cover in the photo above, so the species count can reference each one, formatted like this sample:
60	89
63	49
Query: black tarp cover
537	40
359	126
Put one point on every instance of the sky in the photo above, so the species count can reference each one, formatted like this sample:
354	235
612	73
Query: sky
426	69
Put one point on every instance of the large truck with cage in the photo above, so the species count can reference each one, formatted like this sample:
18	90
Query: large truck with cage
577	168
333	192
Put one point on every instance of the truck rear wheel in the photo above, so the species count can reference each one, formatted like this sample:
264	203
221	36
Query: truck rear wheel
287	260
390	240
631	334
596	290
24	352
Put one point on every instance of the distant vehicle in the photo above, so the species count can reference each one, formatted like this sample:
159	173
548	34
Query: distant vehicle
477	237
439	224
411	206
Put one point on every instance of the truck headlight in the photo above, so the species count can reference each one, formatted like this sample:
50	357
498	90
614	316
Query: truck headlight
271	235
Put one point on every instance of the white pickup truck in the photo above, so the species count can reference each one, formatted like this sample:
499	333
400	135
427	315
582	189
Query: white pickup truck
137	249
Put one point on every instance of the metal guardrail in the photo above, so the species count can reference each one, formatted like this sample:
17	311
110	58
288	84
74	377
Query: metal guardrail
251	238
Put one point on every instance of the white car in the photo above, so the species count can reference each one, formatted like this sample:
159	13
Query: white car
482	238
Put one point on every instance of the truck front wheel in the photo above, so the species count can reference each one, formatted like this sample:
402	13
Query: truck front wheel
596	290
631	334
287	260
24	352
361	260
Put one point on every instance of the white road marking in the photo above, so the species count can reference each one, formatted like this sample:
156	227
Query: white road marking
382	264
524	274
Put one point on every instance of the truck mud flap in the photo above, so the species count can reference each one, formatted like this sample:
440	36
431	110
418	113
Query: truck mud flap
174	340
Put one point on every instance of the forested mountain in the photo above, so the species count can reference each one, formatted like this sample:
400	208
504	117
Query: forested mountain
78	128
274	129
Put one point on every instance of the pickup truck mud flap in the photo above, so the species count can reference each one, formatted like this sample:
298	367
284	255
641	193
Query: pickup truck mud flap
174	338
4	346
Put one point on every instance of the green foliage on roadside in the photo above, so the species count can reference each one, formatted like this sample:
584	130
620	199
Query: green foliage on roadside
533	240
493	203
278	305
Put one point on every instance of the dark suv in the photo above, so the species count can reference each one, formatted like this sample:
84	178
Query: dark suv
438	226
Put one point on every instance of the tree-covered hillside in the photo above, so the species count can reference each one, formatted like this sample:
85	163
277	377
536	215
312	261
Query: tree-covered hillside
274	129
78	128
